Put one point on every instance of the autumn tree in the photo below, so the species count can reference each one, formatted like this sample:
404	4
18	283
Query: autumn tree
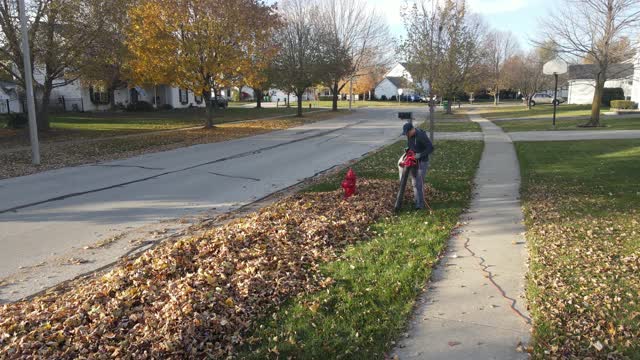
593	29
524	73
501	46
298	62
367	80
353	37
445	46
59	33
105	62
199	45
260	77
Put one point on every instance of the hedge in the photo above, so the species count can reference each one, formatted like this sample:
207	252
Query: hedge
623	104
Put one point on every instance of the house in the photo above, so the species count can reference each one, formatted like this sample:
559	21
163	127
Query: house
9	98
581	83
76	96
398	78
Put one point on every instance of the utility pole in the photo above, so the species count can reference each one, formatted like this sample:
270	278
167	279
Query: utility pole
28	83
350	92
555	99
432	121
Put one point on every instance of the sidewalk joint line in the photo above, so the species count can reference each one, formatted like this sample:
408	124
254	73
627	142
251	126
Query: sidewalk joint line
476	323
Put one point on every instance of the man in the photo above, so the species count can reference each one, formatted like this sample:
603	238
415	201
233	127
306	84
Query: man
418	141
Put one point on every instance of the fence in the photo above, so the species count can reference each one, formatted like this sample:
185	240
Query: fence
65	104
62	104
8	106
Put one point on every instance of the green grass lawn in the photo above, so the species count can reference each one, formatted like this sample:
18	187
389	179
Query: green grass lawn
455	122
539	111
582	210
161	120
568	124
76	126
151	121
455	126
377	280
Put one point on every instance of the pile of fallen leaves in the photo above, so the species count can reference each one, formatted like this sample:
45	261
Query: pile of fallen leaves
196	297
585	276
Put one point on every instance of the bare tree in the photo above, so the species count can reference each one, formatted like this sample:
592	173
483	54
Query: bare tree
353	37
296	66
501	46
593	30
524	73
60	31
445	47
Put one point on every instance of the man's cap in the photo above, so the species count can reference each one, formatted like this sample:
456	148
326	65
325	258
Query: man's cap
406	128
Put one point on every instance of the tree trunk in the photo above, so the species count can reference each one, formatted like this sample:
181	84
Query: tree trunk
210	105
258	95
334	99
596	103
299	95
42	114
112	97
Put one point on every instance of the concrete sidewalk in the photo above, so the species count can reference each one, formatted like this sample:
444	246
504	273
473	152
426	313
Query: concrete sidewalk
474	307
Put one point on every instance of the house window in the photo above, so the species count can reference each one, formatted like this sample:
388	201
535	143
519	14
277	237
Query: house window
99	95
197	98
183	95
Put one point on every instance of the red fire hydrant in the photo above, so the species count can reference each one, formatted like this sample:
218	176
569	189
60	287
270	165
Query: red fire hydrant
349	184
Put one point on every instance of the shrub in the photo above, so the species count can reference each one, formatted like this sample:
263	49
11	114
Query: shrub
17	121
166	107
393	98
623	104
383	97
140	106
610	94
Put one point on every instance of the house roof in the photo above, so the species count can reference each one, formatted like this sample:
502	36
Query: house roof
588	71
397	81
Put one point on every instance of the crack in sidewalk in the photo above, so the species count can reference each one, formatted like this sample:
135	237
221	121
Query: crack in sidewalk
489	276
129	166
233	176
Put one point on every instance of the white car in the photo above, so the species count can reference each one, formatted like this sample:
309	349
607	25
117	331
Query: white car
542	98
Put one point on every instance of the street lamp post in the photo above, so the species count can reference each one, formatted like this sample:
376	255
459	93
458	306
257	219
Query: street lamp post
555	67
28	83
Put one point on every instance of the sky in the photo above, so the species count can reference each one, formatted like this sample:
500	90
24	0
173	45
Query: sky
518	16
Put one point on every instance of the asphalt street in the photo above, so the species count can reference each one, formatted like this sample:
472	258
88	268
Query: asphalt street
61	212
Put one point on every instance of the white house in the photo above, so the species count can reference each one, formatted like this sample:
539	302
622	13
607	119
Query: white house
76	96
397	78
9	99
581	83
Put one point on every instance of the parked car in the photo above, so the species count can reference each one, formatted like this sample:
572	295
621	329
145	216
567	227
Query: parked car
222	102
542	98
